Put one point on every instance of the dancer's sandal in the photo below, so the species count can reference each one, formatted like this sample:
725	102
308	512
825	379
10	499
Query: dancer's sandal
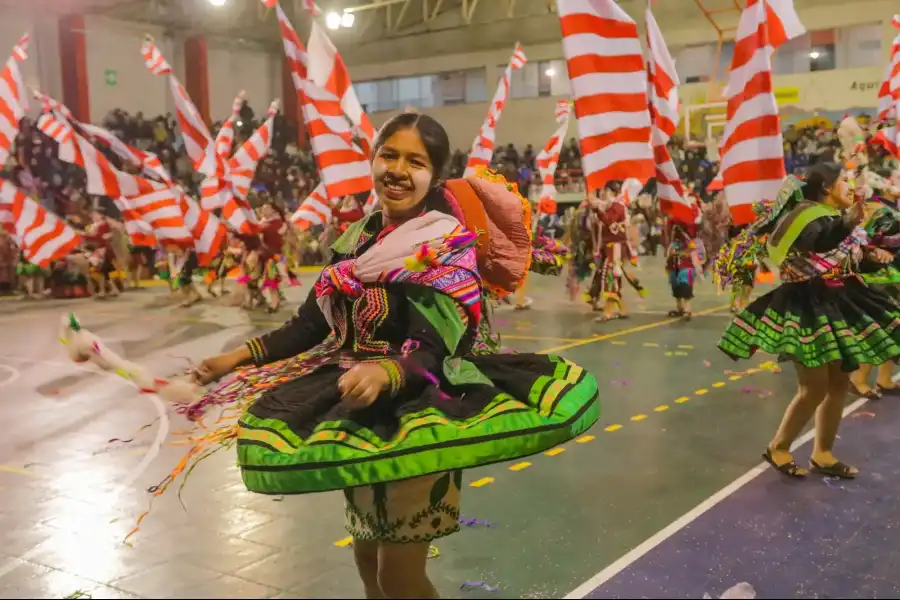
605	319
894	390
789	469
838	469
676	313
688	315
872	394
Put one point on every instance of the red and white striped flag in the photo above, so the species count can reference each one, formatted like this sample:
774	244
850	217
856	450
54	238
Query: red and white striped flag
483	148
40	235
663	91
752	163
64	124
228	188
327	70
548	158
13	98
342	164
606	69
243	164
174	217
197	140
149	211
889	92
314	210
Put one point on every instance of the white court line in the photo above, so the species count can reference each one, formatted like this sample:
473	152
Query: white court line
14	375
161	434
689	517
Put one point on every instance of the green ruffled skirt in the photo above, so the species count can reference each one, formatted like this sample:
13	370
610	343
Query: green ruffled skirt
298	437
814	323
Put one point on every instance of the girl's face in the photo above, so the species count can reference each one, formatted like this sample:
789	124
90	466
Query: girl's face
840	193
402	173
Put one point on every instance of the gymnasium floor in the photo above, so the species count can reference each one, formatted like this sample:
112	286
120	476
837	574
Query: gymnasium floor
620	512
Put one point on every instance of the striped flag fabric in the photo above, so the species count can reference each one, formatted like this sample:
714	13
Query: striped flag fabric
13	98
663	91
197	140
343	166
483	147
40	235
606	70
228	189
752	154
64	125
314	210
327	70
548	158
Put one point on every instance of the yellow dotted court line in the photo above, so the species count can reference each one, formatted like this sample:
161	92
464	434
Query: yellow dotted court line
584	439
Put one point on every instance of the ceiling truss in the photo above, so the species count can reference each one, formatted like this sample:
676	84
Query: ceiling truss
398	14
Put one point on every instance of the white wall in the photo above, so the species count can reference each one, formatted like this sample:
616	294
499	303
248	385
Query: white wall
116	45
42	68
234	69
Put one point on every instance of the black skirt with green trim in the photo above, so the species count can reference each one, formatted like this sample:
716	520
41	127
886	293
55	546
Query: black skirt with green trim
297	437
816	322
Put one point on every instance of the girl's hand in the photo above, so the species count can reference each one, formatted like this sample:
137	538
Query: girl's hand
881	256
361	385
216	367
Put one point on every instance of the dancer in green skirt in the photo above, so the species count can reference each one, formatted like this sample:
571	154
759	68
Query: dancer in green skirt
883	228
386	385
822	317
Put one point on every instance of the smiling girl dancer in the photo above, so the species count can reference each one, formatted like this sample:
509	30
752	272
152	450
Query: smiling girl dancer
406	393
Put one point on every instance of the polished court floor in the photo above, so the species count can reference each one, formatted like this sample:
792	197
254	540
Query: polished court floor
662	498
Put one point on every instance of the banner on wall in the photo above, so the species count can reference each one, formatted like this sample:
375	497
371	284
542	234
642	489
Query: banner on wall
787	95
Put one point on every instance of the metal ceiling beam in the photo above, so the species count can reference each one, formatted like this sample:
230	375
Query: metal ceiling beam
468	9
399	20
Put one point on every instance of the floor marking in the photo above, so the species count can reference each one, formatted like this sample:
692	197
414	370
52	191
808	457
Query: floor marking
682	400
618	343
734	377
520	466
585	439
629	331
162	432
651	345
701	392
661	407
537	338
613	428
554	451
751	371
21	471
719	384
638	417
482	482
14	375
344	542
685	346
686	519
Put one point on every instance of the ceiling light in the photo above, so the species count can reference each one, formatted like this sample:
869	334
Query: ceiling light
347	19
218	2
550	72
333	20
814	54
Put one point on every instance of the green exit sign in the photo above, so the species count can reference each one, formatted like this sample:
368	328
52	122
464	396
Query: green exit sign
111	76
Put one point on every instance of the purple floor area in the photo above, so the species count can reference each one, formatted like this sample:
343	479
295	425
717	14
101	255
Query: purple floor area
813	538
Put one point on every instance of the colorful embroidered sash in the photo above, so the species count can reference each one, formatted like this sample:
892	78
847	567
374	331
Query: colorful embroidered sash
432	250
